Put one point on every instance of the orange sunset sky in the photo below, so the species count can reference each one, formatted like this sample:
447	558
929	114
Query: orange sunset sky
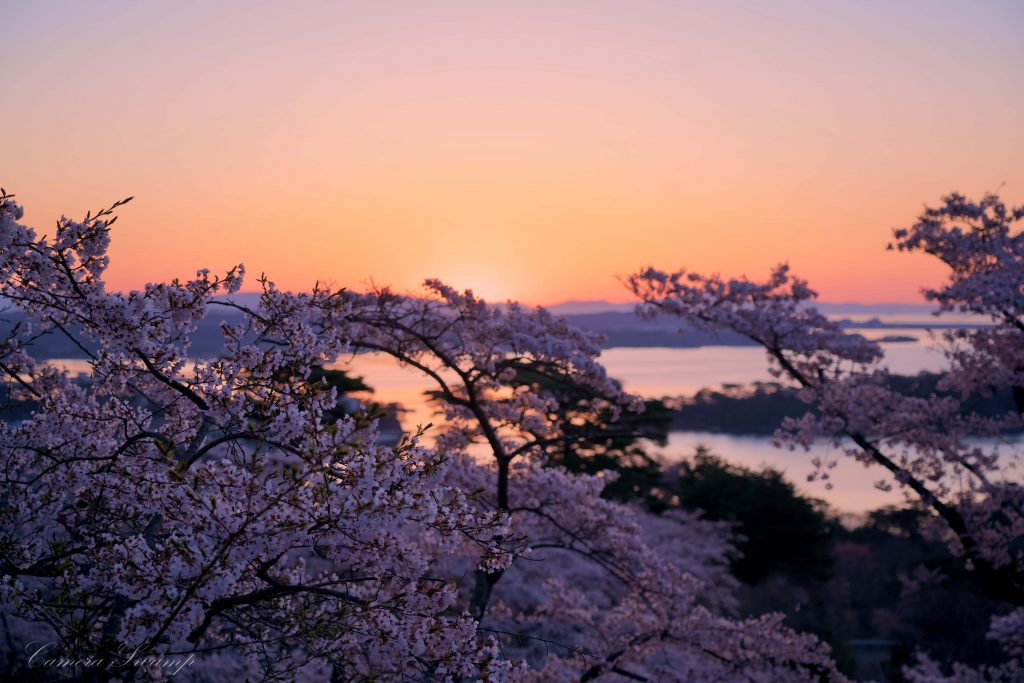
528	150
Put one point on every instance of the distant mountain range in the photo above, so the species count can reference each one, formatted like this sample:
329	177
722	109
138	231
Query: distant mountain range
625	329
588	307
617	322
573	308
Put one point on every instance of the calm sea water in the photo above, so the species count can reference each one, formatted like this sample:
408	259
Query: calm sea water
658	372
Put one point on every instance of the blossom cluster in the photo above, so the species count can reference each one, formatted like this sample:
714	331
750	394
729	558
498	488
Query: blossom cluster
592	591
211	508
206	505
925	444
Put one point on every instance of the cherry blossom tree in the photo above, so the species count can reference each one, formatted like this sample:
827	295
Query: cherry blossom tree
586	596
198	507
216	514
923	443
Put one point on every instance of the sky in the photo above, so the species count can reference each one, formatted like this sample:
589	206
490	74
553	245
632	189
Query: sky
527	150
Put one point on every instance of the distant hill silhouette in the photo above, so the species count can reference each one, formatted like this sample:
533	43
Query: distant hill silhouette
848	308
617	322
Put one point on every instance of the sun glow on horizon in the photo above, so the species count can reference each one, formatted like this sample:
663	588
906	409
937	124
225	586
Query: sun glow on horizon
531	152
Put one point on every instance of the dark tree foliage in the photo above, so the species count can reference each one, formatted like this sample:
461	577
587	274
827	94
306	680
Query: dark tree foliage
895	582
780	530
760	408
594	440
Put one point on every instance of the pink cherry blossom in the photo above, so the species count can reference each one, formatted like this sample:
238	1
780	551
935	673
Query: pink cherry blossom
205	507
922	444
